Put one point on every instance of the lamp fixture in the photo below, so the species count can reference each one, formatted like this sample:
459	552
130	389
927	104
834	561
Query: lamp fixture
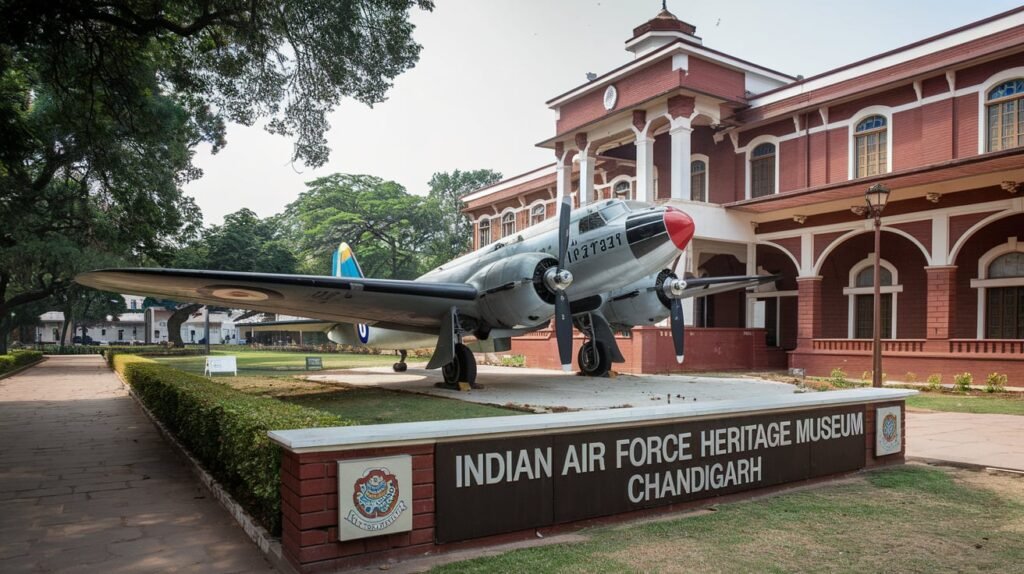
933	196
876	197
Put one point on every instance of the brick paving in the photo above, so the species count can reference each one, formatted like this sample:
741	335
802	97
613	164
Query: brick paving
87	484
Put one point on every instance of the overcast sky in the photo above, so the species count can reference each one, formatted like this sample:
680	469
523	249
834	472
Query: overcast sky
476	97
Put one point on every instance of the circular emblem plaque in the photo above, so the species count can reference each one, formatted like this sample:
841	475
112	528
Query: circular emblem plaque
611	95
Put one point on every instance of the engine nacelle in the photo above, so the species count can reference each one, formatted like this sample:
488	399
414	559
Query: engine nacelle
513	293
639	304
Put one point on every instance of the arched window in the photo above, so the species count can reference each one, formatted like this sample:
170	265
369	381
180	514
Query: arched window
485	231
1000	286
622	190
861	296
762	170
699	180
1005	119
538	213
871	148
508	224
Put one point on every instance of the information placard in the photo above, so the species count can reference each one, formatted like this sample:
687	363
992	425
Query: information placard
314	363
504	485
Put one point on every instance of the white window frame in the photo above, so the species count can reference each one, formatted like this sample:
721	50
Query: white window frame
501	222
707	174
983	282
490	229
863	114
539	203
751	146
851	291
616	181
984	88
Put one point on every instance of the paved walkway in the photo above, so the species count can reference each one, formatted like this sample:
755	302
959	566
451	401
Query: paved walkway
88	485
988	440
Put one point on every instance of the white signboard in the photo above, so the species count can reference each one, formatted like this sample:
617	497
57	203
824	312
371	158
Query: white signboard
374	496
888	431
220	365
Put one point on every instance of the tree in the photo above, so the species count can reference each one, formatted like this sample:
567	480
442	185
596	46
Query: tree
244	242
454	234
84	307
102	105
386	226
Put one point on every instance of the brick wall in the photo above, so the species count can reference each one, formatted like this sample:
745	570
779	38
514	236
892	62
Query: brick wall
309	507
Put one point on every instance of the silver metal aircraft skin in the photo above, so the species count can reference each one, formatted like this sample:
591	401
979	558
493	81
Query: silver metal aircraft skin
609	258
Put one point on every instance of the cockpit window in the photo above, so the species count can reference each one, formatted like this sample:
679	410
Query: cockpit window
591	221
613	211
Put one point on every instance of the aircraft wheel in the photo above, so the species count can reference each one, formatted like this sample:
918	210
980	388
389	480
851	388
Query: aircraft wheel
451	372
594	359
467	365
399	367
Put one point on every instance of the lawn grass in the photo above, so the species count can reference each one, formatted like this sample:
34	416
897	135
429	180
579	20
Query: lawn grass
276	363
905	519
364	405
1006	404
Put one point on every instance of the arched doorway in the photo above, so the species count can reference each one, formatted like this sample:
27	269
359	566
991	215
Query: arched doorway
780	297
990	283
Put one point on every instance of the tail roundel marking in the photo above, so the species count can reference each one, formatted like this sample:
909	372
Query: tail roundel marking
344	264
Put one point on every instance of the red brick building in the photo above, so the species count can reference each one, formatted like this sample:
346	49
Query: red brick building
772	168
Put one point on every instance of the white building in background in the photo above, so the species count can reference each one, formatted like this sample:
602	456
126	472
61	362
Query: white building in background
141	326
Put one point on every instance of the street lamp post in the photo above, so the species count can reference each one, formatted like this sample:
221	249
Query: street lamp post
876	196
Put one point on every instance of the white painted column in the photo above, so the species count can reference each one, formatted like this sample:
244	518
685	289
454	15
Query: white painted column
586	178
645	168
751	270
563	176
680	133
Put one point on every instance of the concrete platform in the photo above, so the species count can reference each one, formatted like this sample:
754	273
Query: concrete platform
544	390
977	439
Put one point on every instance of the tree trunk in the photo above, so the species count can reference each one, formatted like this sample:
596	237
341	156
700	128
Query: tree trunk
4	331
175	321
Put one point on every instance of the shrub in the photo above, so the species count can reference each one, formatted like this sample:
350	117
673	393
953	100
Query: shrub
225	429
16	359
934	382
513	361
995	383
838	378
962	382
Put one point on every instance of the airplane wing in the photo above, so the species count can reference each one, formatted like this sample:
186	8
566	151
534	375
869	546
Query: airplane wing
703	286
306	325
388	303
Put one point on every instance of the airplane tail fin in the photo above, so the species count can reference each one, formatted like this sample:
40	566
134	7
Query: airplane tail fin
344	263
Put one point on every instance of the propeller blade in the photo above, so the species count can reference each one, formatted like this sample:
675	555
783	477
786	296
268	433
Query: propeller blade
678	329
563	330
564	213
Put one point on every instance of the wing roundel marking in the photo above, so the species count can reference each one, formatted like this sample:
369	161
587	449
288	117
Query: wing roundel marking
239	293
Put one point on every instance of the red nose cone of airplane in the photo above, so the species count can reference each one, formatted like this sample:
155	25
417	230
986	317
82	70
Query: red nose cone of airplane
680	227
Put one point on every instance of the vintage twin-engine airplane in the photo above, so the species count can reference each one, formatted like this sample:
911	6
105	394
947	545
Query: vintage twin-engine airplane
603	268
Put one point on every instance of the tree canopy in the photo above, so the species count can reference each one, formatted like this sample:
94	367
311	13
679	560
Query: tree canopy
103	103
454	233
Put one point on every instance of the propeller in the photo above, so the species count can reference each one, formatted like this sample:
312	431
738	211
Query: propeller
558	280
673	289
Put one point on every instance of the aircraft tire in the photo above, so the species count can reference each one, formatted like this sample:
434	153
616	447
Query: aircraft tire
467	364
399	367
451	372
594	367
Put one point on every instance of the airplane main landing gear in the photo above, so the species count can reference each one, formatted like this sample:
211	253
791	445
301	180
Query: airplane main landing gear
462	369
594	359
400	366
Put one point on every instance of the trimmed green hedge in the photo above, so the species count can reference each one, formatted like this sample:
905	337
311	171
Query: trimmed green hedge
224	428
16	359
150	351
